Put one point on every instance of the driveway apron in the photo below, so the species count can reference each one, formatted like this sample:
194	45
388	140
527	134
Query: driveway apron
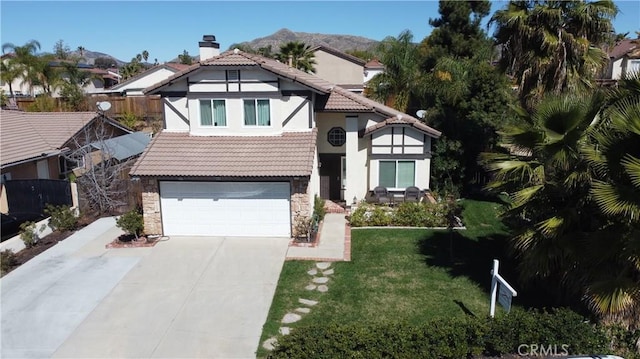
190	297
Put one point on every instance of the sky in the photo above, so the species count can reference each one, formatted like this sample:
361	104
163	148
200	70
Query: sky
166	28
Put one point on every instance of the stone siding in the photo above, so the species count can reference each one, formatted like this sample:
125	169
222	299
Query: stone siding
151	206
300	203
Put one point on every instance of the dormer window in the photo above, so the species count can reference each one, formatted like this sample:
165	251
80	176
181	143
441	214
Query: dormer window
213	113
257	113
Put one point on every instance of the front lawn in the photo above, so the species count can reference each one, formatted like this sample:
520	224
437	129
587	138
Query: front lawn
408	275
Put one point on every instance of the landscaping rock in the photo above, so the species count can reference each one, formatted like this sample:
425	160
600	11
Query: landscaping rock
323	265
285	330
323	288
270	343
303	310
312	272
328	271
320	280
310	287
308	302
291	318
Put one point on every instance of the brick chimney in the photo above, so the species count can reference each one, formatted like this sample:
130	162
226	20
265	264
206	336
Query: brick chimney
208	47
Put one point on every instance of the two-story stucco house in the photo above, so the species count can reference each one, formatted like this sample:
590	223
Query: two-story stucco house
249	141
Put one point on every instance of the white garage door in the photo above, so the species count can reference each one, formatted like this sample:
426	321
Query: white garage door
225	208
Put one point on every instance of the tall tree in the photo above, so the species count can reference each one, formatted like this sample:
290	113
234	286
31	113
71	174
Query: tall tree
145	55
185	58
457	32
81	50
24	60
297	54
61	50
551	46
73	82
402	79
9	72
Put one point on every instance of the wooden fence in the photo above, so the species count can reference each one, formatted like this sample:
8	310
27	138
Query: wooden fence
141	106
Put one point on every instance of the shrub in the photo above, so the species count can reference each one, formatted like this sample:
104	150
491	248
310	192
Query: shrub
380	216
318	208
410	214
445	337
44	103
302	227
129	119
7	260
131	222
29	234
359	217
62	218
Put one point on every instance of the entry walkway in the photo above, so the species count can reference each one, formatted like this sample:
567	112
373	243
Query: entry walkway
334	242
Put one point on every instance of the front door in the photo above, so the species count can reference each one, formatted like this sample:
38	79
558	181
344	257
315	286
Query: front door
331	176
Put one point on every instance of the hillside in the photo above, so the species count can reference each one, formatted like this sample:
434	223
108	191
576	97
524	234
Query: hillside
91	56
340	42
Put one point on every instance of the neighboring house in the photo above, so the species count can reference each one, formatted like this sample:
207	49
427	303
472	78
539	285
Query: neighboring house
248	142
135	85
624	58
340	68
34	144
371	69
100	80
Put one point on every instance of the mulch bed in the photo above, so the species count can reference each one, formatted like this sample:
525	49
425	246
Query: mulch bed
129	241
43	244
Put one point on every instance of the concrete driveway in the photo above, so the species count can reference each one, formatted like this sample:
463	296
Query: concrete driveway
188	297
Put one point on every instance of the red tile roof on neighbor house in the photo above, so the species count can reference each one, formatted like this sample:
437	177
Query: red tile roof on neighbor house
174	154
27	135
374	64
623	47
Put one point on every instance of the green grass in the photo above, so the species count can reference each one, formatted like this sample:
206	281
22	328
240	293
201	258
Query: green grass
399	275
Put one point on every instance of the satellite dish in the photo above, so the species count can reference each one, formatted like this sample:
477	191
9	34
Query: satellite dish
103	105
421	113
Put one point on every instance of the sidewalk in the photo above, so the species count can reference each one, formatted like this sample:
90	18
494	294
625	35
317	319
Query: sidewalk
334	243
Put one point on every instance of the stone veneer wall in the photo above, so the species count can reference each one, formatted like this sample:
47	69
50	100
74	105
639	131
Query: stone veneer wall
300	205
151	206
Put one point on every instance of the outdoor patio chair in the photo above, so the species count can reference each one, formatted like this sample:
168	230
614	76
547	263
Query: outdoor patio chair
412	194
381	195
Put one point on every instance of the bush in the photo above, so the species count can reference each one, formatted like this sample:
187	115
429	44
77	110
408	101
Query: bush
131	222
62	218
446	337
29	234
7	260
318	208
408	214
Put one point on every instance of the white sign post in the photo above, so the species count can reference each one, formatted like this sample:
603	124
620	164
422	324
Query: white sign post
500	290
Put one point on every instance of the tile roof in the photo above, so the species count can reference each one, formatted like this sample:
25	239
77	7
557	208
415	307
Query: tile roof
402	120
184	155
374	64
623	47
27	135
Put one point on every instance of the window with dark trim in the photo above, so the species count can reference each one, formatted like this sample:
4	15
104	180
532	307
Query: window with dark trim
337	136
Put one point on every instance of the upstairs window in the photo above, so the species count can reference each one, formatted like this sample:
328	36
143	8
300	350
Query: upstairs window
233	75
336	136
257	113
213	113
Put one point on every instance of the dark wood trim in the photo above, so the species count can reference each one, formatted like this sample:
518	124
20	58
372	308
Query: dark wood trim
381	156
294	112
174	94
176	111
301	93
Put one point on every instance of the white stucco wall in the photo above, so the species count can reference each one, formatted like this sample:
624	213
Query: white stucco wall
616	69
370	73
326	121
175	110
314	180
152	77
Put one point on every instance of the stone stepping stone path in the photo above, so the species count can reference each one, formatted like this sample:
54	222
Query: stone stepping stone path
317	283
320	280
291	318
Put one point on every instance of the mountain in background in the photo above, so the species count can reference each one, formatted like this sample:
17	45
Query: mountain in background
91	56
340	42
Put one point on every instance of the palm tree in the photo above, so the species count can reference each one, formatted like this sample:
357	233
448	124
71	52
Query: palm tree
185	58
297	54
402	77
24	60
616	191
81	50
550	46
145	55
9	72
